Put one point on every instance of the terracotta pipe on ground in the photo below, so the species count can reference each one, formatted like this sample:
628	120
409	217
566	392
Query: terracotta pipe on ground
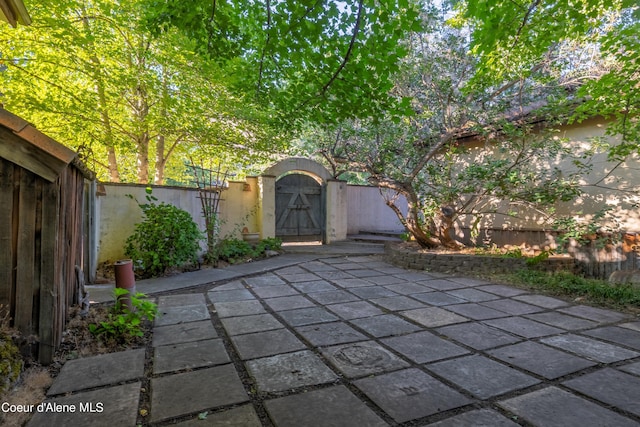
125	279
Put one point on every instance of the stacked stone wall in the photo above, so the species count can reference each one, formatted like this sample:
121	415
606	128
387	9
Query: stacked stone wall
470	264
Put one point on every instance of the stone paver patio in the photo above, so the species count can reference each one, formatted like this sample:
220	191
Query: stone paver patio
353	341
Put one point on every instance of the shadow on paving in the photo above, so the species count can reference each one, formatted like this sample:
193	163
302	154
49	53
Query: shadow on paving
353	341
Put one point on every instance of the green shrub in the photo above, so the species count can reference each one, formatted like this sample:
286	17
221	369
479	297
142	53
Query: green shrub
531	262
167	237
233	250
123	325
10	363
268	244
565	283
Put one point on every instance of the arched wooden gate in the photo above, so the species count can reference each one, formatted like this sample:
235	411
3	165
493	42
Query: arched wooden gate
299	208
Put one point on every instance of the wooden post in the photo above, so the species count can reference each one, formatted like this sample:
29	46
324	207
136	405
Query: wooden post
26	284
49	273
6	232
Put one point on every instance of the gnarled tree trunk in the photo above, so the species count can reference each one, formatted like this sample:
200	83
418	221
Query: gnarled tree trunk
432	235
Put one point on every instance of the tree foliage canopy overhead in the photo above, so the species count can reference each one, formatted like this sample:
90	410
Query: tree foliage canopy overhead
513	38
140	85
316	60
387	88
487	83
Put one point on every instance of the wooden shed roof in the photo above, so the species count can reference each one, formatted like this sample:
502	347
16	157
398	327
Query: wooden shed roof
21	143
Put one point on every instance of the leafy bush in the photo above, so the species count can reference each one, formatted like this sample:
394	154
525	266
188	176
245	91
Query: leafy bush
167	237
513	253
10	363
233	250
268	244
538	258
123	325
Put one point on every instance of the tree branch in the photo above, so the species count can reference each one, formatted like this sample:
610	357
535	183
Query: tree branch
444	140
524	21
210	29
347	56
264	50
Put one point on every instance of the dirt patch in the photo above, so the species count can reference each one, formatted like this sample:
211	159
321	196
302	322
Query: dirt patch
30	390
77	340
523	250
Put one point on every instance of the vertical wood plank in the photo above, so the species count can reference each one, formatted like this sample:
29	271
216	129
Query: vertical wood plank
62	254
79	234
48	271
26	254
38	254
7	249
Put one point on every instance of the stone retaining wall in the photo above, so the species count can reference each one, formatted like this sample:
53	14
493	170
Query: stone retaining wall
471	264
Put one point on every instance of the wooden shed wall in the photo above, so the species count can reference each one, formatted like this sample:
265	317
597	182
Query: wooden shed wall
41	235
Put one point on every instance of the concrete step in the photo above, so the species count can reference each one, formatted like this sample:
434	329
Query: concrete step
384	233
373	238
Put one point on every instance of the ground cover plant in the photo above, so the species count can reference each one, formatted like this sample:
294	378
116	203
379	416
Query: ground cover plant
10	358
234	250
78	341
597	292
124	324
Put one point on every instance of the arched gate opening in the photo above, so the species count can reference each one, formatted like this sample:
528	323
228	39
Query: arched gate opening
300	201
300	214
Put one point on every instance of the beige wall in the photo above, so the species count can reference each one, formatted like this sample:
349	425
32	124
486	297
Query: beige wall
239	208
243	204
367	210
608	184
336	208
117	214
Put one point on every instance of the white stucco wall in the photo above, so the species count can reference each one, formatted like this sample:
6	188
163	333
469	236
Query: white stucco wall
117	214
367	211
359	208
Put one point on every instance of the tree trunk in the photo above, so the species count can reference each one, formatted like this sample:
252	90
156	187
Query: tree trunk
412	220
114	175
141	113
142	156
160	161
443	225
94	68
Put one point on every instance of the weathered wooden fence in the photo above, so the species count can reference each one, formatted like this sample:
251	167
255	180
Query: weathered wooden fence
605	254
41	232
42	244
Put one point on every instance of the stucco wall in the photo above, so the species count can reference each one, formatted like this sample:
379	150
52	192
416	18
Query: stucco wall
117	214
367	211
608	184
